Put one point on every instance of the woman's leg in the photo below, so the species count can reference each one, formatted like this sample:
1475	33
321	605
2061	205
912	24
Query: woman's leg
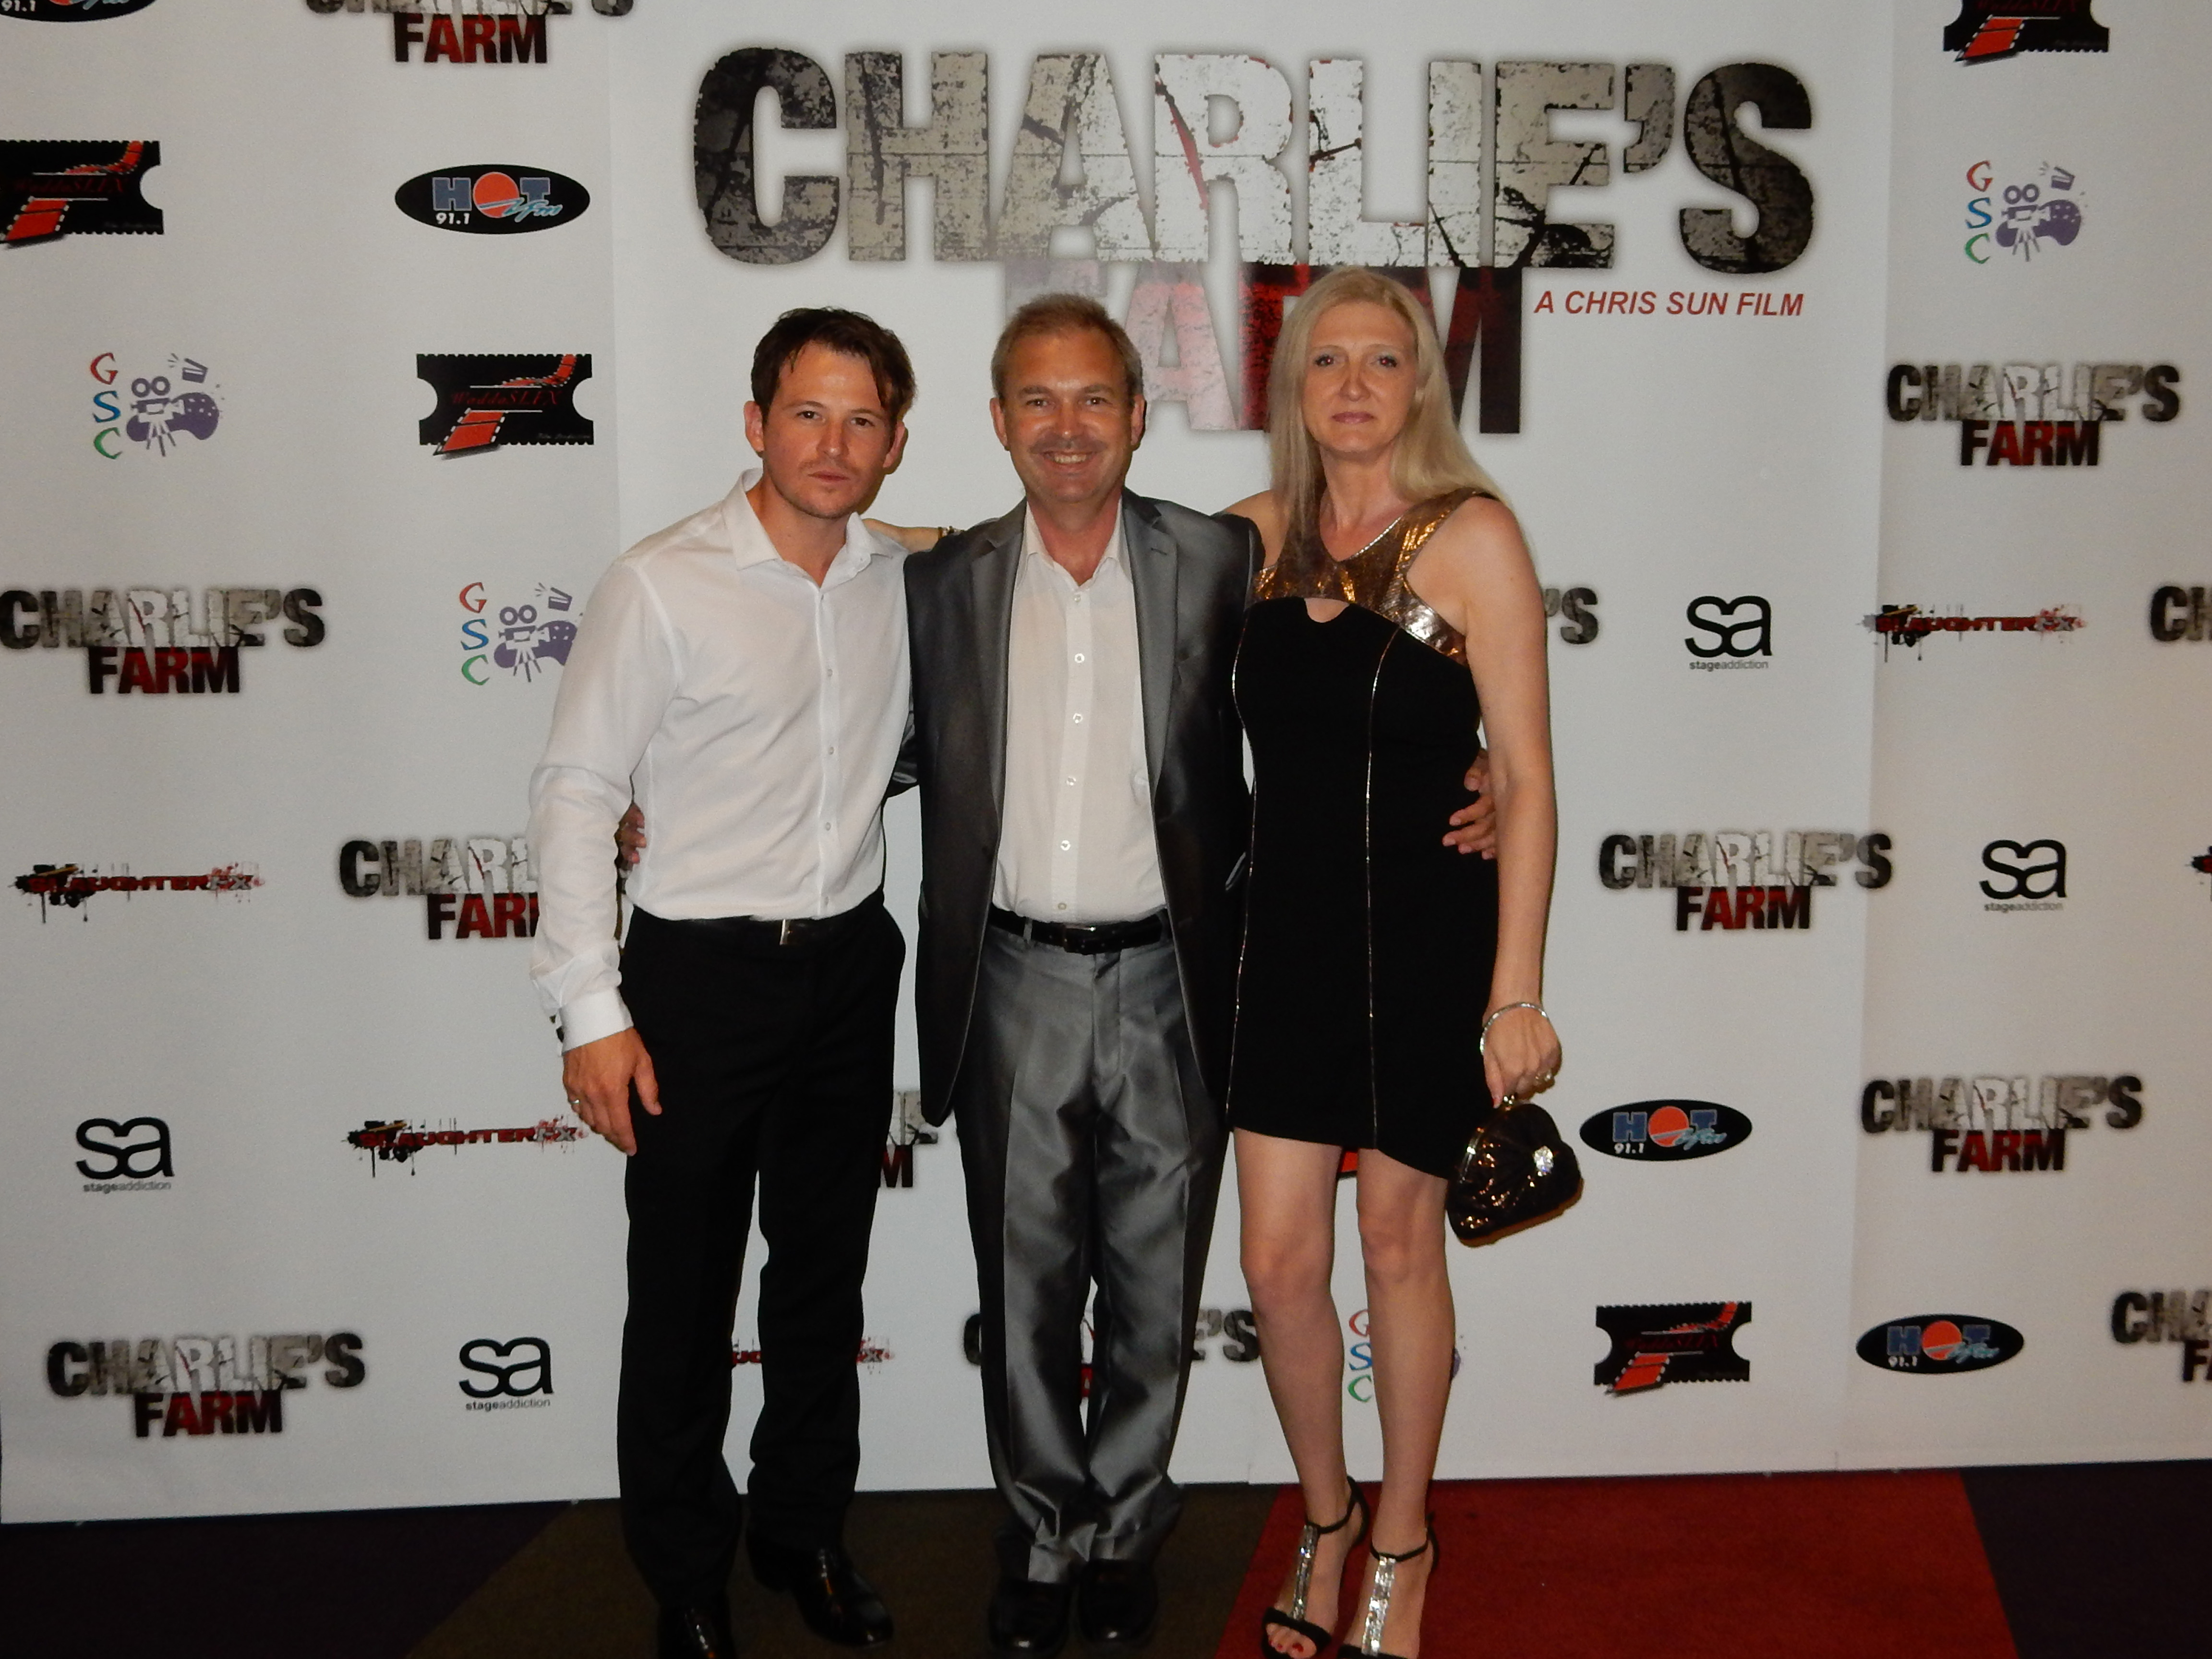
1287	1193
1410	1325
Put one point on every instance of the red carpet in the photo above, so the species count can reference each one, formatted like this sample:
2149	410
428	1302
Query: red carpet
1804	1566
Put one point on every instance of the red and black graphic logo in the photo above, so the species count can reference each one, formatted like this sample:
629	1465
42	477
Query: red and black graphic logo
203	1385
487	400
1666	1131
1939	1345
1988	29
1737	879
54	187
871	1353
71	11
2178	1316
478	886
1998	1125
1908	624
131	1164
1672	1342
68	885
399	1140
492	201
519	1373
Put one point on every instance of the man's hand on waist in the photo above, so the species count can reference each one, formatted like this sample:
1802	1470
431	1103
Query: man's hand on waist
598	1077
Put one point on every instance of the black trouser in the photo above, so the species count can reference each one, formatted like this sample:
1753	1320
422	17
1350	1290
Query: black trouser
772	1060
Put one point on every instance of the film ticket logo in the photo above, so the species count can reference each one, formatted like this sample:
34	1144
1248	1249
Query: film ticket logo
1987	29
54	187
1672	1342
490	400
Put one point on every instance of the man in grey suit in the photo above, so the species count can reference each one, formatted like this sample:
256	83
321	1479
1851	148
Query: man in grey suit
1085	817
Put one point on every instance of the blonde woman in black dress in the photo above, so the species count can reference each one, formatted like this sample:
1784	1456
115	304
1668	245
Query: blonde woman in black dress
1398	610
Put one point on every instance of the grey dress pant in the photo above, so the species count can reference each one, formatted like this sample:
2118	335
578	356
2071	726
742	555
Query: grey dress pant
1092	1153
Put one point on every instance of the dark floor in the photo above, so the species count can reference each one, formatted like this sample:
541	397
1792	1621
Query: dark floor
2090	1561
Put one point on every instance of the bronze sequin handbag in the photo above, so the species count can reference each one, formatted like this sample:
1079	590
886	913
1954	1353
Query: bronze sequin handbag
1514	1173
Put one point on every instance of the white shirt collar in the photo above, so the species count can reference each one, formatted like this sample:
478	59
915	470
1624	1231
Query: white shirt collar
750	543
1033	545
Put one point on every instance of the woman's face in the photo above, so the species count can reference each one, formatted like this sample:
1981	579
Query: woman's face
1359	379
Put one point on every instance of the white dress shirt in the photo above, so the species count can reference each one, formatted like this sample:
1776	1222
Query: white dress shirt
1077	842
753	716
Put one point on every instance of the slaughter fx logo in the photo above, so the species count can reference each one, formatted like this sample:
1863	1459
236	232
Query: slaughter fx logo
2021	414
1736	879
203	1385
524	640
1999	1125
1908	624
1741	632
1672	1342
1985	30
2027	875
165	404
505	1375
50	188
2040	209
398	1141
1939	1345
154	640
67	886
492	201
480	886
2183	1317
132	1156
71	11
490	400
1666	1131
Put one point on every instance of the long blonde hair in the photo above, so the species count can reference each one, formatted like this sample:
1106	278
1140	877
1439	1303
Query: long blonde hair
1430	459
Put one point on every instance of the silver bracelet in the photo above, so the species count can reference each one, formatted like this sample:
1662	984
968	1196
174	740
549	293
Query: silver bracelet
1492	1019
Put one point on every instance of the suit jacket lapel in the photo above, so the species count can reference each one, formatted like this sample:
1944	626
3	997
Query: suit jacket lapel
996	562
1152	571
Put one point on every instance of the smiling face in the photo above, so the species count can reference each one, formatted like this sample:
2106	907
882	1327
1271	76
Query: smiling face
827	443
1359	379
1067	417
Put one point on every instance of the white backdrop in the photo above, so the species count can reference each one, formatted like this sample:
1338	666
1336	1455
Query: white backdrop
1710	456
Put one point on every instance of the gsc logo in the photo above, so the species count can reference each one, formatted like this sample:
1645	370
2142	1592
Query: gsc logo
1740	628
2020	875
127	1159
519	1378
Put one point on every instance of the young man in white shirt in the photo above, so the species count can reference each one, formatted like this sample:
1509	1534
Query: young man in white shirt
742	675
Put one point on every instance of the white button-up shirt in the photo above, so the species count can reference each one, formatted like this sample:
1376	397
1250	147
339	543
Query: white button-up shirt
1077	842
753	716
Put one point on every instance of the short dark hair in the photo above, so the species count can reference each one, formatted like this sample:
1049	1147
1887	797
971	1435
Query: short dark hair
1065	313
847	333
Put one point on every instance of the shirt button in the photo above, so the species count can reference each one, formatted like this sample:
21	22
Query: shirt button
1071	783
1079	656
1060	907
1064	845
833	748
1078	719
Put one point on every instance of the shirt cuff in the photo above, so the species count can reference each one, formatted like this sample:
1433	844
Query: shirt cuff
594	1015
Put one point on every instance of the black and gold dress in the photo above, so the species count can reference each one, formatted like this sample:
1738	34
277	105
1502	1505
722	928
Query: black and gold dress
1368	942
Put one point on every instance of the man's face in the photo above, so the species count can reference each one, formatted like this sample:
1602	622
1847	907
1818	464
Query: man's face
1067	418
827	443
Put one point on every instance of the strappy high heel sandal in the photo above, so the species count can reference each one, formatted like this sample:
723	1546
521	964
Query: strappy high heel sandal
1294	1620
1378	1596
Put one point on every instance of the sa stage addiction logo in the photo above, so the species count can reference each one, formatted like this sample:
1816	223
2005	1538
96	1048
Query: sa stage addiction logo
2029	875
1985	30
203	1385
2169	1316
2032	414
1939	1345
1999	1124
1741	632
1672	1342
166	405
71	11
2041	210
1734	879
492	201
524	640
1666	1131
50	188
122	1160
505	1375
487	400
68	885
152	638
481	886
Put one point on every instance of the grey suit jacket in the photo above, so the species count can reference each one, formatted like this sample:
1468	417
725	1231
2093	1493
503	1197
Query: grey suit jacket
1193	575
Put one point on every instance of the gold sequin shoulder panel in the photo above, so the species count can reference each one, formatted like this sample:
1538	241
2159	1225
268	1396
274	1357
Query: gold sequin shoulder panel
1374	578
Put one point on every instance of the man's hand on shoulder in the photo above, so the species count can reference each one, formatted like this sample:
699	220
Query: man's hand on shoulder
598	1077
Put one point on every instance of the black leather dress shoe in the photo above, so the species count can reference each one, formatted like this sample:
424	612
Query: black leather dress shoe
1028	1618
837	1604
700	1631
1117	1603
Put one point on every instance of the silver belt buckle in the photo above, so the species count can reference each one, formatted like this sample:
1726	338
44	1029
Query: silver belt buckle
783	930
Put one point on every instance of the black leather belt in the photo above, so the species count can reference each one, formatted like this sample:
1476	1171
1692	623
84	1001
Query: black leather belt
1086	940
787	930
